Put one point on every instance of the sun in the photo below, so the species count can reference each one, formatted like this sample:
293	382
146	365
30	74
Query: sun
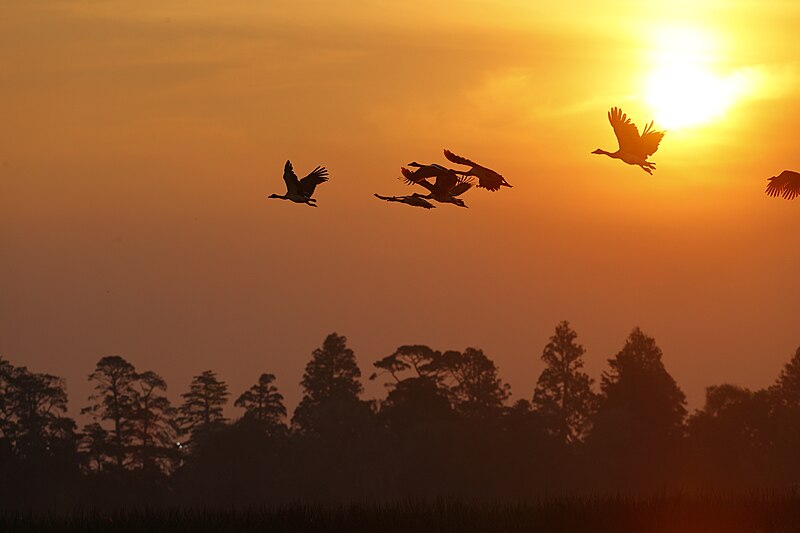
683	89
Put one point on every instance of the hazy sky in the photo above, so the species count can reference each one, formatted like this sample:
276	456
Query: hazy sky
139	141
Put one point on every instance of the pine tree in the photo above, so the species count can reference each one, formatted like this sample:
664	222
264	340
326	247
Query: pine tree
5	416
418	359
203	405
638	427
331	387
94	446
417	395
639	386
263	403
473	382
113	399
152	422
563	396
37	404
784	402
787	388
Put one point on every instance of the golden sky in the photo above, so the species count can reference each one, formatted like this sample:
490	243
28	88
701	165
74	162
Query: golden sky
139	141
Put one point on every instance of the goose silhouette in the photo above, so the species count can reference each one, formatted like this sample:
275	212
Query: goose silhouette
415	200
300	191
487	178
446	186
633	148
786	184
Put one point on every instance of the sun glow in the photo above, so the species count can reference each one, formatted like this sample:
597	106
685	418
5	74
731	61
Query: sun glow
684	89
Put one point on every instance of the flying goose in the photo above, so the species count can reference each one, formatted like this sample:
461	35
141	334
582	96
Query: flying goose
487	178
415	200
633	148
786	184
445	187
300	191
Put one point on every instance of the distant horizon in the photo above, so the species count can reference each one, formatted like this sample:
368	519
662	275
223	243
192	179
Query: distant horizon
376	389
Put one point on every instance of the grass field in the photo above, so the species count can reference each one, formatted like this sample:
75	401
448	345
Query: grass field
762	513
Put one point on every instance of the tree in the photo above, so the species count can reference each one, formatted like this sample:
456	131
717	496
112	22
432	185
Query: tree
94	446
415	401
786	389
563	396
203	404
5	416
331	388
473	382
421	360
263	403
639	385
730	437
143	419
152	422
113	399
38	454
417	394
36	404
639	423
784	401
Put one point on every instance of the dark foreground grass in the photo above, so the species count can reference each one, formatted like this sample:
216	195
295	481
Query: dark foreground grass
762	513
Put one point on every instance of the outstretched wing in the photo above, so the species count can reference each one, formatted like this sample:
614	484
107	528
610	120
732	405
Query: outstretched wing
292	183
625	130
648	143
775	186
314	178
387	198
446	180
786	184
416	201
458	159
415	178
427	171
461	188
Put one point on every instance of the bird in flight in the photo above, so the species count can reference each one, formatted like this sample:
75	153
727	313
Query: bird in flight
300	190
786	184
633	148
487	178
415	200
446	186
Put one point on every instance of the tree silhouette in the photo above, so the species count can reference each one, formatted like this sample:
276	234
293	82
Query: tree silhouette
415	401
784	399
786	389
94	446
639	423
730	437
421	360
639	385
563	396
417	395
5	416
202	405
37	404
263	403
331	386
113	399
152	422
474	386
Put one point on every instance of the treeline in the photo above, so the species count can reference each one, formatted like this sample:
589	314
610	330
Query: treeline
445	428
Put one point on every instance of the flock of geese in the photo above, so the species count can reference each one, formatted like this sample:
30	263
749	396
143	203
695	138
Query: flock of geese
445	185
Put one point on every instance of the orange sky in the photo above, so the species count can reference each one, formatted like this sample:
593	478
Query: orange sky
139	140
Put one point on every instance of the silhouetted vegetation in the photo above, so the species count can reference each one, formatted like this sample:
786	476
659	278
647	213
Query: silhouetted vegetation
748	513
445	429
